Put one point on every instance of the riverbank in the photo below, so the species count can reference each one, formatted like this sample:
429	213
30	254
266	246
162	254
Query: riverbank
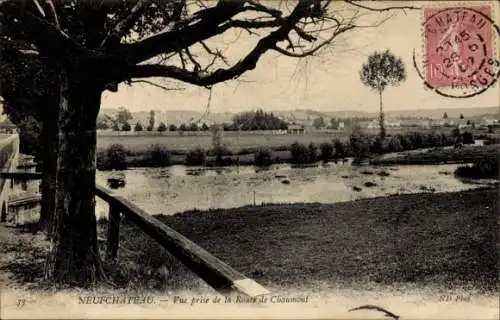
447	241
464	154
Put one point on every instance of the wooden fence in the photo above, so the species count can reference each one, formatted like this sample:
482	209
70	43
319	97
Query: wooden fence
213	271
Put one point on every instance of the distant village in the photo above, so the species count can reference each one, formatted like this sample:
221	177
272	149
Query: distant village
276	123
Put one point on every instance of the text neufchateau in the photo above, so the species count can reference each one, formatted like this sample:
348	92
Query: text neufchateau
111	299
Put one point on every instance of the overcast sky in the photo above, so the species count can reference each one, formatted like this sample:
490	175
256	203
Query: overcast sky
328	82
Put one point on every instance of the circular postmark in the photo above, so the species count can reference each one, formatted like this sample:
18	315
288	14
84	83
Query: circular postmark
460	59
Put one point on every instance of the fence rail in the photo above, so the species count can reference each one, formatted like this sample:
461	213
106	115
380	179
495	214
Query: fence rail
215	272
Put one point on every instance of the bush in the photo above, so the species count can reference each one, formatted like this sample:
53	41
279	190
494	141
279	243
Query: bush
312	152
359	143
263	158
126	127
219	152
326	150
482	169
299	153
395	144
196	157
467	138
138	127
161	127
339	149
377	146
158	156
115	158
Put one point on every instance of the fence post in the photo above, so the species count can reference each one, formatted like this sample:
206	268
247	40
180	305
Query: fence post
113	231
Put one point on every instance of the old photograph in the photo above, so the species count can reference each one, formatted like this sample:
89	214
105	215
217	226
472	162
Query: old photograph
249	159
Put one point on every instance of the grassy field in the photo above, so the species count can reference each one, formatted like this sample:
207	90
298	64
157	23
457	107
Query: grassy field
137	143
447	240
235	142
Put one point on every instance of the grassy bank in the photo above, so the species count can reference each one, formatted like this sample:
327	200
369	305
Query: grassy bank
448	240
465	154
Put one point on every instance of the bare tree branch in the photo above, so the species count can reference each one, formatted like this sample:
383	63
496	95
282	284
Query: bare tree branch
53	14
213	21
155	85
355	3
219	75
316	48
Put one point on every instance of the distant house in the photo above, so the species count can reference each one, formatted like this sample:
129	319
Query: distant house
373	124
296	129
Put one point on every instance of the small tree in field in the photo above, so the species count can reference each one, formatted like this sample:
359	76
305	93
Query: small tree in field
138	126
162	127
381	70
126	127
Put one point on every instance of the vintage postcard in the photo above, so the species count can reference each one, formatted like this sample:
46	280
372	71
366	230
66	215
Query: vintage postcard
249	159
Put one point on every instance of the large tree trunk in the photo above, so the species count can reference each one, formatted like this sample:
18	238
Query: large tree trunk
49	141
75	258
381	118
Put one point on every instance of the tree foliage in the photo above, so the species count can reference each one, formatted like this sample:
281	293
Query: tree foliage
382	69
319	123
258	120
123	116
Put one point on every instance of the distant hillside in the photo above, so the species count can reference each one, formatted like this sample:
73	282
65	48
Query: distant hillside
185	116
452	112
421	113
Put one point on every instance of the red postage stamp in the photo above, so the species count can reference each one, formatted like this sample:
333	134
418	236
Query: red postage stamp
460	49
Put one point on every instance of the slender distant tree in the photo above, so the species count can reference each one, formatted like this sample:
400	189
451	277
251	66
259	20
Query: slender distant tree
123	116
461	116
151	125
445	115
381	70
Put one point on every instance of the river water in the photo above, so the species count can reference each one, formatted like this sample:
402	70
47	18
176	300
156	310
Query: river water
179	188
